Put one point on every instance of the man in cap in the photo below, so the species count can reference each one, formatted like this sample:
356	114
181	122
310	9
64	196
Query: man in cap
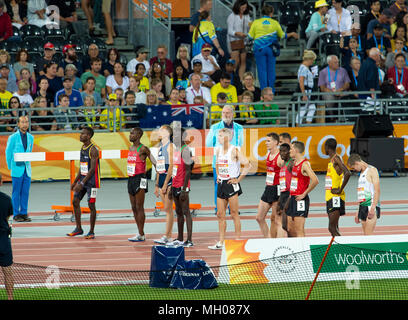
49	52
209	62
106	118
70	57
230	69
75	98
141	57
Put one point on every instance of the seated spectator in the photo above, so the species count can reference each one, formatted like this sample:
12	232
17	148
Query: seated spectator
248	84
268	110
6	28
41	63
198	100
401	20
95	72
400	33
157	86
206	81
66	13
216	110
397	7
5	58
70	57
196	89
352	108
22	59
333	80
16	110
17	10
42	119
54	81
179	77
141	57
209	64
339	19
5	74
140	96
165	63
89	90
246	111
384	21
26	75
398	75
134	111
151	98
74	96
23	94
182	95
117	80
223	86
361	39
369	75
317	24
106	118
93	53
5	95
379	40
36	14
42	91
183	58
66	117
90	113
375	7
140	75
352	51
157	72
120	96
113	56
235	79
71	72
173	97
390	59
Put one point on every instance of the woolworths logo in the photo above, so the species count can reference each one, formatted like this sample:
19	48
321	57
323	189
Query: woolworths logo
366	256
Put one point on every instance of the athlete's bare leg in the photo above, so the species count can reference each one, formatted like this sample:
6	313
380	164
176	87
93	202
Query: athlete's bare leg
234	208
263	208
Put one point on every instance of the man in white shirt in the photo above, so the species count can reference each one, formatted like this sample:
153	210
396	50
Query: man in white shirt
141	57
339	19
208	61
196	89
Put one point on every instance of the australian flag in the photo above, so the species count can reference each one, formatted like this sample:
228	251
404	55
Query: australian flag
190	116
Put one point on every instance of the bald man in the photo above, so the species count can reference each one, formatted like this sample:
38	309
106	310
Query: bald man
368	76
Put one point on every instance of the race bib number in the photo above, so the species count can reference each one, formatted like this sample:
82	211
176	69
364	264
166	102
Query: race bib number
143	183
161	166
174	171
270	177
94	191
361	194
336	202
84	168
131	169
300	205
223	171
293	184
328	183
282	183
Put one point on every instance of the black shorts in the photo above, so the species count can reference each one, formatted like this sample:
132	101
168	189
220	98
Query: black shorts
270	194
134	184
302	210
90	191
226	190
363	212
6	254
340	206
162	178
176	192
283	198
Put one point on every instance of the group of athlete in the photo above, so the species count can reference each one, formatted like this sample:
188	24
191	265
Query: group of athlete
289	181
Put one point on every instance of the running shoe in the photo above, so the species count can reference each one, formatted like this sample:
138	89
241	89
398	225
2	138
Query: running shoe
188	244
217	246
18	218
90	236
26	218
137	238
162	240
76	232
176	242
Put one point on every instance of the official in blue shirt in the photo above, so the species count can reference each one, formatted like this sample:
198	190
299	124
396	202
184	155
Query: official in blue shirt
75	97
20	142
212	141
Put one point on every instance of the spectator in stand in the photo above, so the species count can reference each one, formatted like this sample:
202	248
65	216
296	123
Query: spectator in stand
266	33
352	108
401	20
95	72
117	80
106	118
390	59
183	59
71	72
400	33
339	19
90	90
5	95
157	86
361	39
93	53
197	69
5	74
42	119
120	94
70	57
205	5
246	111
223	86
16	112
397	7
135	110
67	119
209	63
317	24
268	110
375	7
140	75
182	95
6	59
22	61
157	72
113	56
368	77
238	27
248	84
26	75
23	94
306	83
179	77
134	86
42	91
173	97
141	57
333	80
17	10
197	89
90	114
165	63
67	12
383	20
204	33
151	98
352	51
75	98
235	78
49	52
379	40
398	75
6	28
106	10
36	14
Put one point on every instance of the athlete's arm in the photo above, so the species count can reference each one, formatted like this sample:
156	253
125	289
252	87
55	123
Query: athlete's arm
246	164
374	178
149	155
346	175
314	181
280	162
188	167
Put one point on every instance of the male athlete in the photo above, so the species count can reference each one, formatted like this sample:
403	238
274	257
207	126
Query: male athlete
137	182
285	137
368	193
87	182
336	179
285	175
270	197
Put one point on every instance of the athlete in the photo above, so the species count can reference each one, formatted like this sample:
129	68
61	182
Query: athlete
336	179
228	166
285	176
180	187
164	168
270	197
303	181
137	181
368	194
285	137
87	182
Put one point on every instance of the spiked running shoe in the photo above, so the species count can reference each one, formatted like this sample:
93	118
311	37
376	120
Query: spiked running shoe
90	236
76	232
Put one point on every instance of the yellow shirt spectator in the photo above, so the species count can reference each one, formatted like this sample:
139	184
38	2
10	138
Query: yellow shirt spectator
223	86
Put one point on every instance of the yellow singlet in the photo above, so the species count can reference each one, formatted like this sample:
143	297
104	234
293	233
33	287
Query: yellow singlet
333	181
